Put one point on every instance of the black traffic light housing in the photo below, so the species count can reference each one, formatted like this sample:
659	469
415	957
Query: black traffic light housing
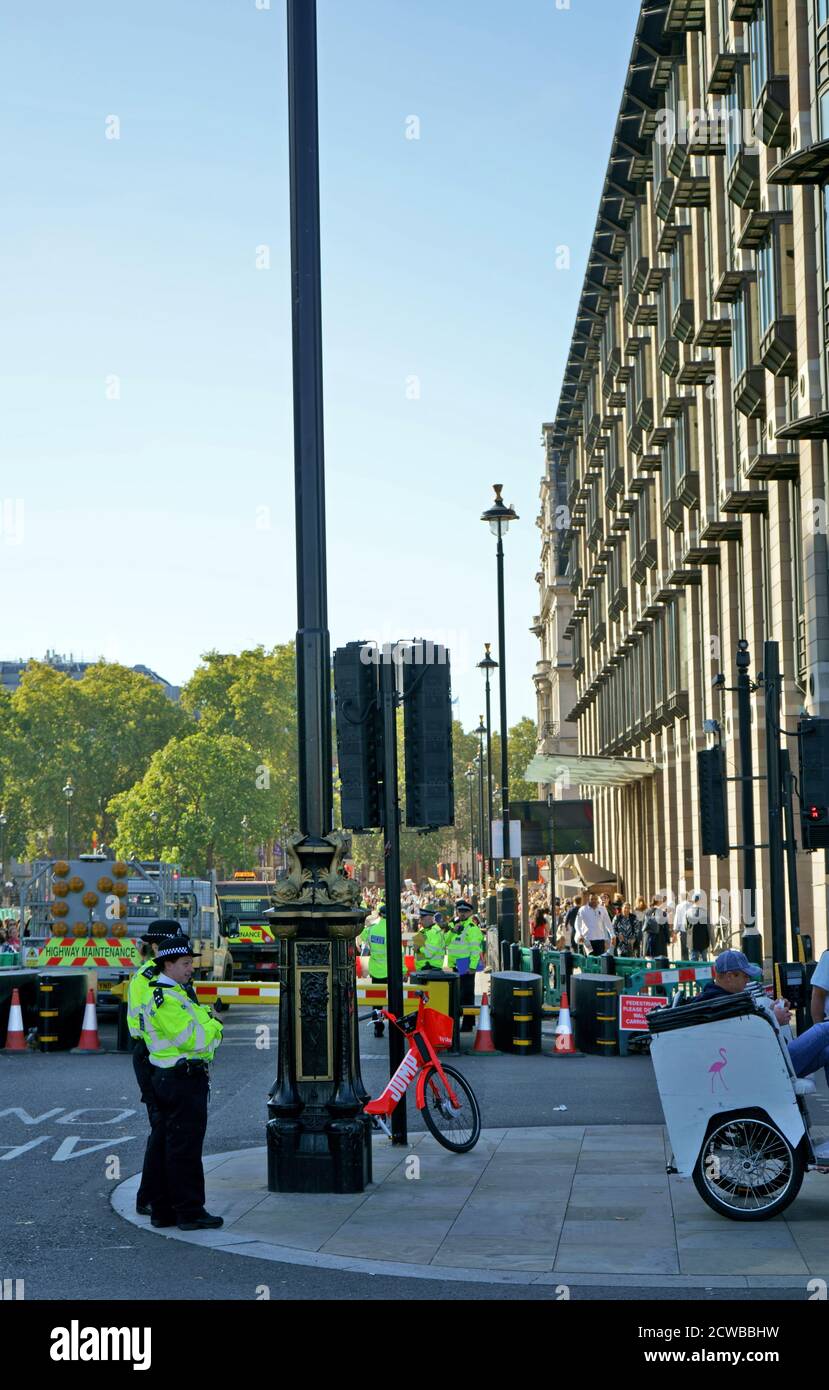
813	751
359	736
713	813
427	724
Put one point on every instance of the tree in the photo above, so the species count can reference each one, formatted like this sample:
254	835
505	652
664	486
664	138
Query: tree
522	743
100	732
252	697
202	787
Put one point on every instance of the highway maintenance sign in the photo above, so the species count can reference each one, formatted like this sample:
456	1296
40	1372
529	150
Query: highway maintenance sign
634	1010
94	951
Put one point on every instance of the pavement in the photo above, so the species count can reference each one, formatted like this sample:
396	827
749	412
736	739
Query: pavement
570	1205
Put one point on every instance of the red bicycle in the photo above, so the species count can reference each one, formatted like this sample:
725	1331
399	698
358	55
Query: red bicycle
447	1100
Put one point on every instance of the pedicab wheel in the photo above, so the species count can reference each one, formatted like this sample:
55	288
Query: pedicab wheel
455	1127
747	1170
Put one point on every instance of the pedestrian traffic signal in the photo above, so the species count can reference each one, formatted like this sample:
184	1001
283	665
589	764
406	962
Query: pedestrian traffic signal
713	814
427	724
359	737
813	747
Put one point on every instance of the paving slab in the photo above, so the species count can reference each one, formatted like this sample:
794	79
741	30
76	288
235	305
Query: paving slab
556	1205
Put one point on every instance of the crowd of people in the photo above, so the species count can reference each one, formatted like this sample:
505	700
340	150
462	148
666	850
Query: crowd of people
593	924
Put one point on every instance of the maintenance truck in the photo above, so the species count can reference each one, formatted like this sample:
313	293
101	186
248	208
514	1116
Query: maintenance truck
92	912
242	902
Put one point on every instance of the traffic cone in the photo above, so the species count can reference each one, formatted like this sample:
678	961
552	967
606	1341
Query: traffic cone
88	1041
15	1037
565	1043
483	1037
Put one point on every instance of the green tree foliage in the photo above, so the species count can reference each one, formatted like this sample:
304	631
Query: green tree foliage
252	697
100	732
521	747
202	787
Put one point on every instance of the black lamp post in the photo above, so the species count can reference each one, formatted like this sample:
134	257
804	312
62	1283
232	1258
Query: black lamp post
318	1138
4	820
470	779
484	833
154	817
488	666
68	793
499	516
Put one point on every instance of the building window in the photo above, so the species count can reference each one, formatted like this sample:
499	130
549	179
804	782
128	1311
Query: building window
734	122
765	285
822	12
759	33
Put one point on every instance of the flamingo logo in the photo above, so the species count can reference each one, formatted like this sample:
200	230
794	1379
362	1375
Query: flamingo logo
716	1070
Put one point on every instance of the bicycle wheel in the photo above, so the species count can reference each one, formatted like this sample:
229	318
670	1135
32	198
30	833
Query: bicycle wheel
747	1170
456	1128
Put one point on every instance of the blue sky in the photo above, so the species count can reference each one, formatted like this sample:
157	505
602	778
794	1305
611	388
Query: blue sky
145	372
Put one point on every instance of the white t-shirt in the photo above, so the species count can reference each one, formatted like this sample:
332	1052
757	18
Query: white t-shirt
821	977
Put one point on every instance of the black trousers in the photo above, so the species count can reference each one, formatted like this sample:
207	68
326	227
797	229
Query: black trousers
176	1176
377	1017
144	1069
467	983
599	947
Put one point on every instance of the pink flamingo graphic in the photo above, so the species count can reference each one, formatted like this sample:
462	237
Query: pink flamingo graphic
716	1069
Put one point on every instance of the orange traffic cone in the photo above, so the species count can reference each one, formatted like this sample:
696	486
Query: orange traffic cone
88	1041
15	1037
565	1043
483	1037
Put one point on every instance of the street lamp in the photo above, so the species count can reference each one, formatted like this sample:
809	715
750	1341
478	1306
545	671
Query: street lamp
499	516
154	817
488	666
4	820
68	793
484	834
470	779
245	824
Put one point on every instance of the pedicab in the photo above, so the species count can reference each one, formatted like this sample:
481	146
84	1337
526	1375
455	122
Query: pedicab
735	1111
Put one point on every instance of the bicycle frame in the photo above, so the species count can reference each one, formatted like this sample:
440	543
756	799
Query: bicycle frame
421	1054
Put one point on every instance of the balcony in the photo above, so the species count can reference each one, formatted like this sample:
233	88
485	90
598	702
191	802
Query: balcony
664	200
697	371
743	9
645	560
713	333
680	577
743	182
598	635
740	501
782	467
617	604
673	514
645	316
682	323
683	15
755	229
806	166
691	190
722	72
669	357
774	112
720	530
778	347
659	437
696	552
644	413
750	393
650	463
731	285
675	403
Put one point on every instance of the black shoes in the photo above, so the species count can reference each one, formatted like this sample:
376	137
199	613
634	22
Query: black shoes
205	1222
143	1209
160	1222
379	1032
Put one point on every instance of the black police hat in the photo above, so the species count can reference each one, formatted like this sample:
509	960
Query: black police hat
162	929
173	947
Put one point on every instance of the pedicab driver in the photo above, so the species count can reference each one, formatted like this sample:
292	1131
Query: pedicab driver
809	1051
181	1037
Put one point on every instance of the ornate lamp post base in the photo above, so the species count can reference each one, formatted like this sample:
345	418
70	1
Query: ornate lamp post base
318	1138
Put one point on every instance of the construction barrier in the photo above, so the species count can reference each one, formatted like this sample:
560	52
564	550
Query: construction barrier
516	1012
596	1013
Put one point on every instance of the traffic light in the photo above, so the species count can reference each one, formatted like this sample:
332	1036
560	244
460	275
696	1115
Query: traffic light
359	737
713	815
427	724
813	748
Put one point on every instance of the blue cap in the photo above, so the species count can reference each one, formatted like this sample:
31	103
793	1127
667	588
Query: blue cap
735	960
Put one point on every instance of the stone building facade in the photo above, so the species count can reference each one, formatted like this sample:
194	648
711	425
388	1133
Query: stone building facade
684	502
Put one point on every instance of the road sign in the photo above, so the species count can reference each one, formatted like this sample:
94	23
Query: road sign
634	1010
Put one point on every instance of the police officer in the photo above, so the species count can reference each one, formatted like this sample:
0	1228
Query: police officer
138	993
374	935
181	1038
429	941
466	941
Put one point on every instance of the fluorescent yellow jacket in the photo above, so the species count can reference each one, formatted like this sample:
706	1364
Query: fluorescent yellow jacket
138	994
174	1027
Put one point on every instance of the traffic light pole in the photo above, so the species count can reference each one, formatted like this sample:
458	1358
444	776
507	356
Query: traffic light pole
751	939
391	838
791	853
777	896
506	887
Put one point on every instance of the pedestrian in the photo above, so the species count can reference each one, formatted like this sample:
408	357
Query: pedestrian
628	932
181	1037
593	926
465	942
139	990
539	927
573	940
374	936
656	929
683	908
429	942
699	928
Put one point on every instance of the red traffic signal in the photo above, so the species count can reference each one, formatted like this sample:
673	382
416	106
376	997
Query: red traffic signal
816	813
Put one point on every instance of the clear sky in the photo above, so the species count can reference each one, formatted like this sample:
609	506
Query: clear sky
145	371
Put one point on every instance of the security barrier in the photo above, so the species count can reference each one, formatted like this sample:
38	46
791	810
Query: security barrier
516	1012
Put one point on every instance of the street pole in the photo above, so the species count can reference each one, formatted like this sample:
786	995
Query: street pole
488	665
394	932
506	902
470	777
480	876
777	904
752	941
791	854
318	1139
